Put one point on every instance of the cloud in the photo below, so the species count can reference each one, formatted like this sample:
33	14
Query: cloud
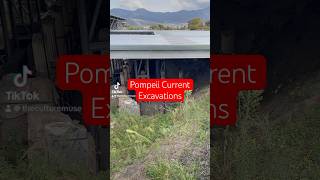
160	5
131	4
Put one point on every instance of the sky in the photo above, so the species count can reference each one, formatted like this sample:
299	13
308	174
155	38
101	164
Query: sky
160	5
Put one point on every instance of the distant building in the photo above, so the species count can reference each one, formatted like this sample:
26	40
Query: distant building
117	23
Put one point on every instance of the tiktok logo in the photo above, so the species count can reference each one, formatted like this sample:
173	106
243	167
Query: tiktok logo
117	86
20	80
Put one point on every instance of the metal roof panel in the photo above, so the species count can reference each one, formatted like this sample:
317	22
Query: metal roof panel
161	40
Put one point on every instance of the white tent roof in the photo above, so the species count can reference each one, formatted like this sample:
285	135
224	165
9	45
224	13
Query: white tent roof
159	44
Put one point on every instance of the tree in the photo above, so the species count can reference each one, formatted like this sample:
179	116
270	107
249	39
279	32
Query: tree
161	27
135	28
195	24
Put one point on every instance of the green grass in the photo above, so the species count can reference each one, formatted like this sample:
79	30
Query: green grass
132	136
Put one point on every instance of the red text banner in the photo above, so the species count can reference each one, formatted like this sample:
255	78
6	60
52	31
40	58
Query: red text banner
231	74
90	75
160	90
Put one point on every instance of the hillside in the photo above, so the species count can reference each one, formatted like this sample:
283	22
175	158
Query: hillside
142	16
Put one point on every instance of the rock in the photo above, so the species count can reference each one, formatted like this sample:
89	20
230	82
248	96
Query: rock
129	105
69	143
51	135
55	136
38	120
152	108
14	101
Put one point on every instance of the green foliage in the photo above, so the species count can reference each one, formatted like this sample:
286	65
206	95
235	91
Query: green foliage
196	24
249	103
133	136
162	27
135	28
262	148
165	170
187	94
157	27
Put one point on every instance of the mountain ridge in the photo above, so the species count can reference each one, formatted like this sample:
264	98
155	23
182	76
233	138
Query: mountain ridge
143	16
